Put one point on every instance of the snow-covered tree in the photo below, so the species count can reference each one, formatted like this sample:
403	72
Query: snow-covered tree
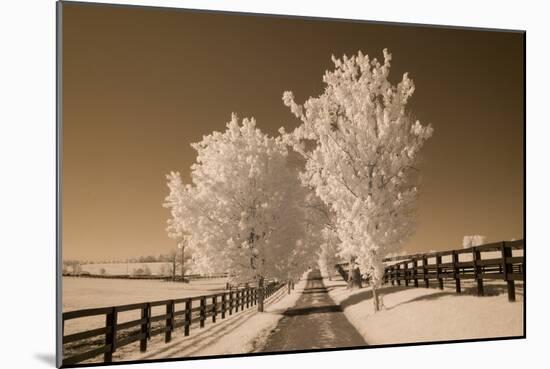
361	146
471	241
245	210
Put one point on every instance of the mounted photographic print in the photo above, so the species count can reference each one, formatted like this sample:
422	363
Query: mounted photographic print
246	184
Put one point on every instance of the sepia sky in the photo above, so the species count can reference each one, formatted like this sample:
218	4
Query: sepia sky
139	85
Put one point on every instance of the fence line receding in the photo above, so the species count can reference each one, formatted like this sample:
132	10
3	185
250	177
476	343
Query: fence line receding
492	261
177	313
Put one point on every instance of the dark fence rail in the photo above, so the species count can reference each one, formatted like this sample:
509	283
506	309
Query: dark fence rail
178	313
410	269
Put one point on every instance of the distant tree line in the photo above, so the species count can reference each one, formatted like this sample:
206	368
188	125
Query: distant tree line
168	257
171	268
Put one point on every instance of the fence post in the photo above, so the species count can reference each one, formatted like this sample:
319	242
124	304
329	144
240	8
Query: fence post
477	270
507	269
406	272
456	271
398	274
145	314
202	311
110	335
392	276
425	271
247	297
415	272
261	295
223	305
187	324
241	299
214	308
438	271
230	302
169	321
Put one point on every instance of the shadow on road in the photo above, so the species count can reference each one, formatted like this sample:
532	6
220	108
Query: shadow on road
313	310
315	290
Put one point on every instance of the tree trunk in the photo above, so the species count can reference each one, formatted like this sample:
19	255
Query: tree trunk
174	268
354	277
261	294
375	299
182	264
289	286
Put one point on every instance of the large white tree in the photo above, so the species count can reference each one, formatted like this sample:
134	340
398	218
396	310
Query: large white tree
361	146
244	211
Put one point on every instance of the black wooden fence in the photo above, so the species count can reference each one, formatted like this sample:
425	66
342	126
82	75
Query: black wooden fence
410	269
177	313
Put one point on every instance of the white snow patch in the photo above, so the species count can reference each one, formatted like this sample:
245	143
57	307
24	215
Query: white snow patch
84	293
429	314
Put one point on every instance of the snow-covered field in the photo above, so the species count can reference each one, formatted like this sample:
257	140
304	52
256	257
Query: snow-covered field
429	314
83	293
409	315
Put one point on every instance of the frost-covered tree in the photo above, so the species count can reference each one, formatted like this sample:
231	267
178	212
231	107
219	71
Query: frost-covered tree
361	146
471	241
244	210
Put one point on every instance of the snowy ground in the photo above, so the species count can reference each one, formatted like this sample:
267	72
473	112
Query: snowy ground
429	314
83	293
410	315
239	333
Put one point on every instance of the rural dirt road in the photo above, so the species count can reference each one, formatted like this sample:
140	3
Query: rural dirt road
314	322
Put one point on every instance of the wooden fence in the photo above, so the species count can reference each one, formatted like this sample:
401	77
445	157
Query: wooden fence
410	269
177	313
